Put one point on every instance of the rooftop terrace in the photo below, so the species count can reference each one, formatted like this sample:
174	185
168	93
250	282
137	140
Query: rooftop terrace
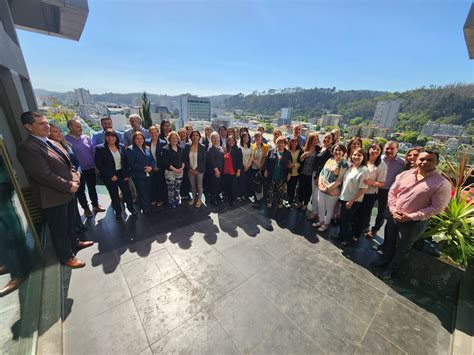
238	280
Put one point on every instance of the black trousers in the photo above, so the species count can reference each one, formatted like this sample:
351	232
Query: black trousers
214	187
159	190
230	183
305	189
362	218
61	220
382	200
346	221
400	237
88	178
291	188
113	186
185	188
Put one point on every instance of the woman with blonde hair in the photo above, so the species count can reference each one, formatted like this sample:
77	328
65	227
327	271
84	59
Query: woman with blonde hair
259	152
174	167
215	166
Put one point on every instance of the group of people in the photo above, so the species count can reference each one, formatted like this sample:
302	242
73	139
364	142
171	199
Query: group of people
159	166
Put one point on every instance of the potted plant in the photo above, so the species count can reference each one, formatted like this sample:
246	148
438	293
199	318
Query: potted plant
453	229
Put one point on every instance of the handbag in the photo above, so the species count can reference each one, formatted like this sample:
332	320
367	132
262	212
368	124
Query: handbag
256	182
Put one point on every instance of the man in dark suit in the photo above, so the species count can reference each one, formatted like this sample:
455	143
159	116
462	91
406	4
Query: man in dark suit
54	176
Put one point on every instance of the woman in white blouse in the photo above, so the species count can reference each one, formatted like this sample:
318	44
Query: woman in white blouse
194	157
352	193
244	191
376	178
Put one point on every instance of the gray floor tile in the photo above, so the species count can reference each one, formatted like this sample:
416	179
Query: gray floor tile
375	344
192	251
287	339
341	286
248	258
141	249
224	241
333	328
167	305
214	278
311	265
408	330
283	285
147	351
246	316
93	293
202	334
144	273
274	243
364	275
117	331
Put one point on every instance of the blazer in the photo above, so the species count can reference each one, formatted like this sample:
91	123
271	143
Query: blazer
215	159
158	151
104	161
51	176
170	157
201	157
137	160
236	155
271	161
206	142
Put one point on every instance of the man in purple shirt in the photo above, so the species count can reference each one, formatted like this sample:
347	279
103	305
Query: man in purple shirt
416	195
84	151
394	167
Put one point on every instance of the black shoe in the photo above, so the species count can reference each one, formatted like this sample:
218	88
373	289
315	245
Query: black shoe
118	215
133	212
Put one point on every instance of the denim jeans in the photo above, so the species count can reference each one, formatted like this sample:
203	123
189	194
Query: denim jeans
400	237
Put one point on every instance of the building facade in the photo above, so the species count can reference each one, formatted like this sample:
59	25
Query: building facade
386	113
286	114
193	108
329	120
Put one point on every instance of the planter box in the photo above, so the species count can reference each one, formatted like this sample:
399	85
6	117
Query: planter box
433	275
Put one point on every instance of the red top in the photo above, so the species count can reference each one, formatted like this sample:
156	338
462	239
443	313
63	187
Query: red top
228	166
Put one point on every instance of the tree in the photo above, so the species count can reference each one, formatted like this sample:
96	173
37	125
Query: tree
268	128
145	112
381	140
408	137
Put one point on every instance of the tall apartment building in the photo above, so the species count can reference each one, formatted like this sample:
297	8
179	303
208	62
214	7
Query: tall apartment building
83	96
286	114
193	108
330	120
386	114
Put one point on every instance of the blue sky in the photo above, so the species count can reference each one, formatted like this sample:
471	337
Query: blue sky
215	47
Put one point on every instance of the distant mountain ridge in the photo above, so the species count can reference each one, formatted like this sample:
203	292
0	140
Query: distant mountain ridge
172	101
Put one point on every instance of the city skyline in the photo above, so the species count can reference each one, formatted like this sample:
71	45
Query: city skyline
211	48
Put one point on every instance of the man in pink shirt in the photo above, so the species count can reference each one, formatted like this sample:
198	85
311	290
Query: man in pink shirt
416	195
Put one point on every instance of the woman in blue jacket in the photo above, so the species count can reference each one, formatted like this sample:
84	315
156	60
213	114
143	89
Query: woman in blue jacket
111	161
158	183
141	164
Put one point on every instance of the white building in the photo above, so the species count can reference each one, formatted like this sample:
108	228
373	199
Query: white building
386	113
330	120
83	96
431	128
193	108
286	114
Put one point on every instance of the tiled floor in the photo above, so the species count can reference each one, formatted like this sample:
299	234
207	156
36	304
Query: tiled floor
239	280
